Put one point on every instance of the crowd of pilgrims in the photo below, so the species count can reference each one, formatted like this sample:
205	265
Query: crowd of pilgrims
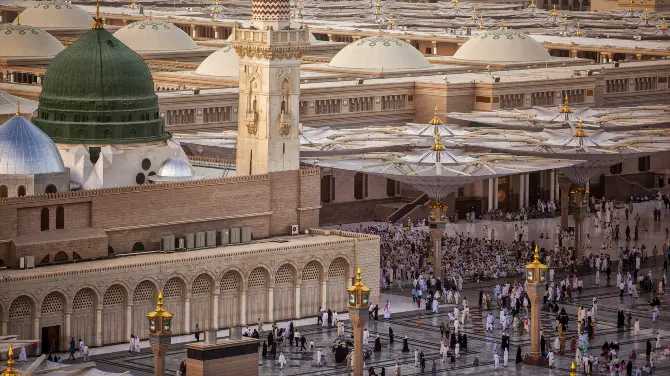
406	252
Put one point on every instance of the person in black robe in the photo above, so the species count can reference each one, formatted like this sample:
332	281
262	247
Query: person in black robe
340	354
459	339
376	312
620	319
629	368
383	372
371	371
255	334
390	335
422	360
50	358
271	338
273	349
378	344
465	342
264	353
405	346
330	317
648	348
452	343
519	359
543	344
481	294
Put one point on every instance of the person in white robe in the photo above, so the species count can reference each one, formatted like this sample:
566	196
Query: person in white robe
282	360
366	337
505	358
636	327
496	361
319	360
658	341
457	350
551	359
397	368
387	310
557	344
435	305
324	320
24	358
416	357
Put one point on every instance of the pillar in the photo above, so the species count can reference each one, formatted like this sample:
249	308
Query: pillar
535	295
552	185
215	311
490	200
331	37
324	291
436	231
216	32
588	185
187	315
3	324
68	326
243	308
358	316
271	304
522	195
129	320
98	327
159	358
297	300
495	193
434	44
36	331
565	202
526	190
194	31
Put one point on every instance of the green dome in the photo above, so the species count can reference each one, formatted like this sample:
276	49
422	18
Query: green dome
99	91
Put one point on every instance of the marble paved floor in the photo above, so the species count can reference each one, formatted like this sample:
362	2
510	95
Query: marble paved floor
426	336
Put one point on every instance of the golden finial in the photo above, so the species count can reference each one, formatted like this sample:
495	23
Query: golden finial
502	25
663	26
379	31
646	16
98	20
474	13
566	109
578	32
536	257
554	12
532	4
580	129
10	371
630	6
151	15
572	369
435	120
18	19
481	26
358	276
437	146
18	108
565	21
160	302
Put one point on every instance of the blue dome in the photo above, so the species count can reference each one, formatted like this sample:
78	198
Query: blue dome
26	150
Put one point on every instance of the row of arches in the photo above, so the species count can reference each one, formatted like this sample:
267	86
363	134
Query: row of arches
110	315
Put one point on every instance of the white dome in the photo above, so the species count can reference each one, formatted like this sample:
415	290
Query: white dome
502	46
292	25
155	35
55	15
26	150
379	52
174	167
27	41
222	63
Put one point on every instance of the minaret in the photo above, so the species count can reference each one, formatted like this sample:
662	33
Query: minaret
269	89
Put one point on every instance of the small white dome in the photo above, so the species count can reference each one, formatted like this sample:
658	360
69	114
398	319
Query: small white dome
292	25
502	46
55	15
26	150
27	41
174	167
379	53
222	63
155	36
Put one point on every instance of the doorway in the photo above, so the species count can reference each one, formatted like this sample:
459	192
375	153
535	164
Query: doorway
51	339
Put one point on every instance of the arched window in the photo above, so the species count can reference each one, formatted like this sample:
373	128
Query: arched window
4	192
60	256
51	189
60	217
81	133
44	219
21	191
138	247
108	133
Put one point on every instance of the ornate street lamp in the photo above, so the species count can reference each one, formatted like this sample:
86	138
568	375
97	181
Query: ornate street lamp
359	303
160	335
535	281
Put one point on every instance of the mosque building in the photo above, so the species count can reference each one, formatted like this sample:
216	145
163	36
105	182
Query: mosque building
86	241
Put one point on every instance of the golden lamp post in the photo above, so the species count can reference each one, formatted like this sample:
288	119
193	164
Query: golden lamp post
359	303
160	335
10	371
535	281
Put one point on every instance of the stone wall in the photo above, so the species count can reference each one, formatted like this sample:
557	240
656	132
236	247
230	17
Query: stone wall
215	288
